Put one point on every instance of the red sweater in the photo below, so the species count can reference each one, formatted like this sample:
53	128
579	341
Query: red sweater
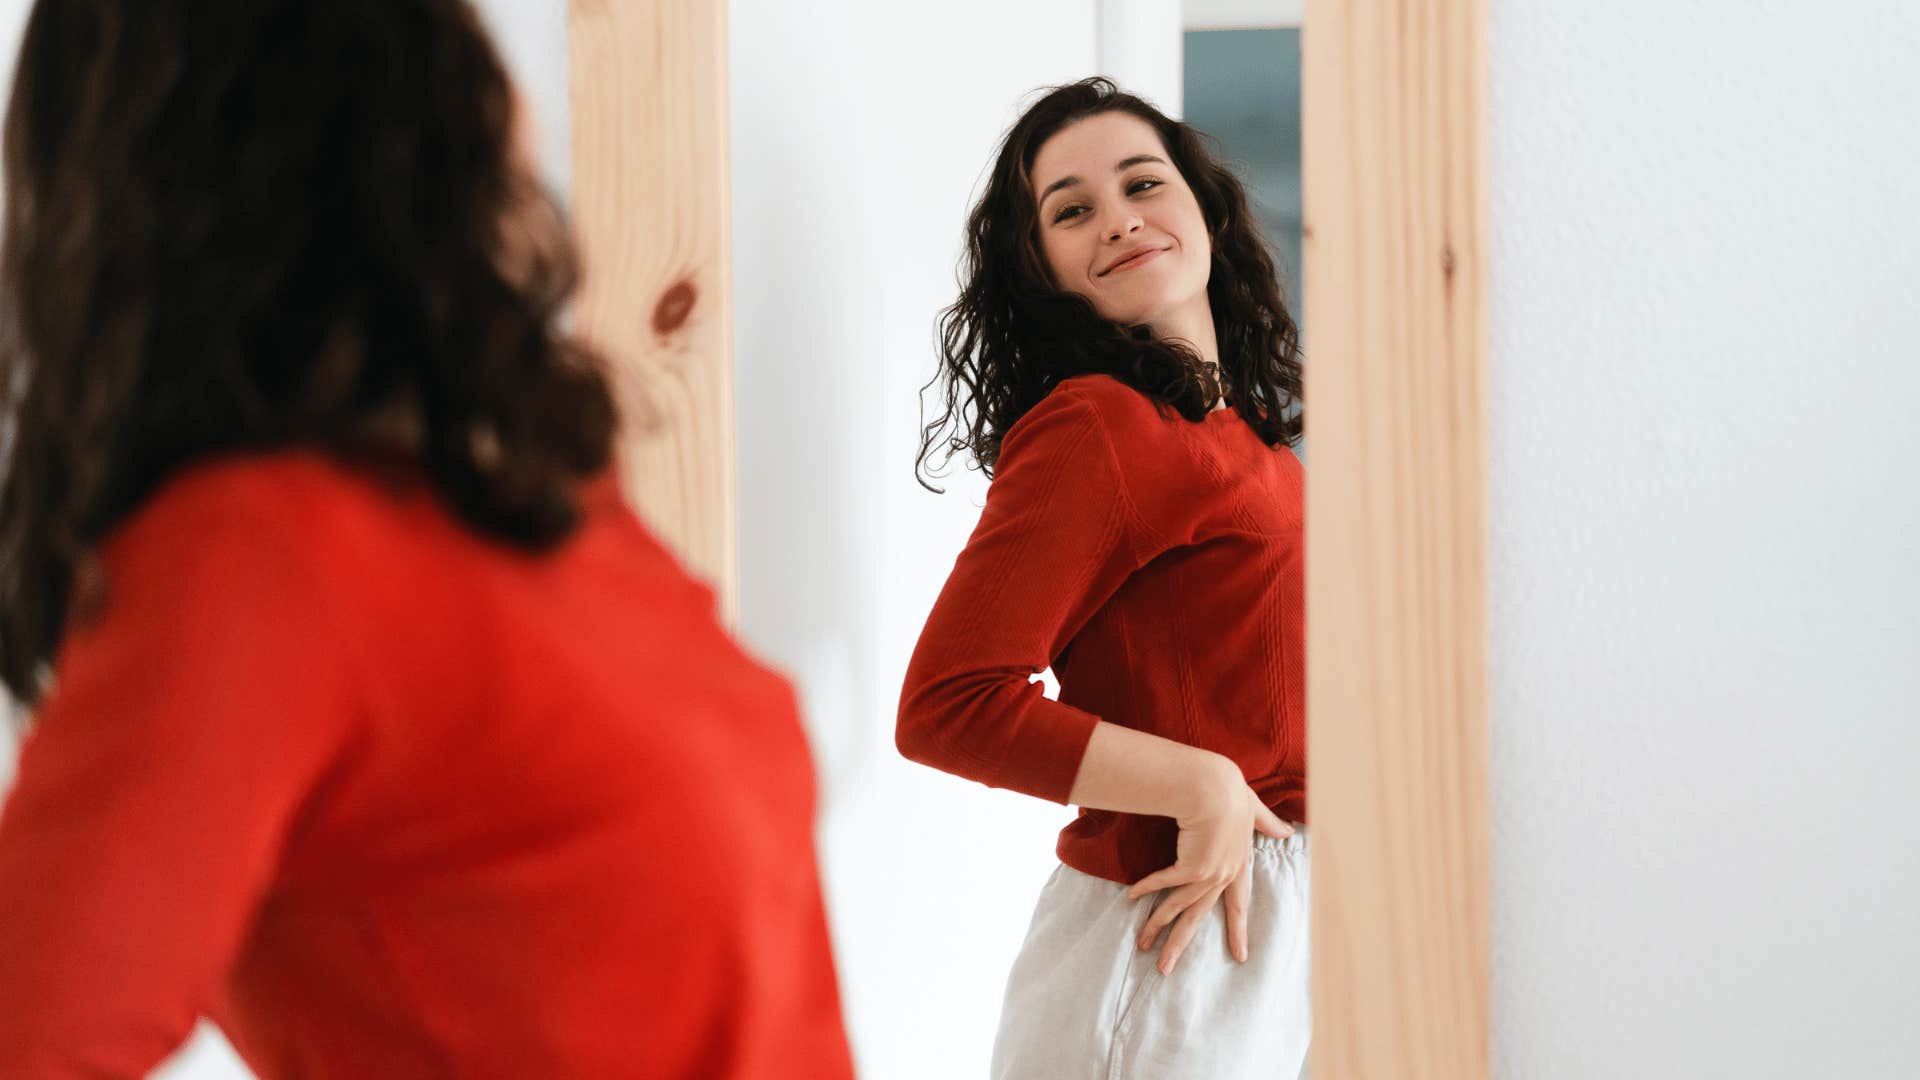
387	799
1155	564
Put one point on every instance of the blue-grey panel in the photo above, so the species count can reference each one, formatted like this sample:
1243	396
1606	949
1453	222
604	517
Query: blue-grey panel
1243	88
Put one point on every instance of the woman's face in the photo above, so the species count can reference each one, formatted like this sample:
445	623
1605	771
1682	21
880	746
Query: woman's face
1118	223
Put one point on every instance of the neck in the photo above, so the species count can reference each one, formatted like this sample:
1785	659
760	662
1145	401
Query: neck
1191	322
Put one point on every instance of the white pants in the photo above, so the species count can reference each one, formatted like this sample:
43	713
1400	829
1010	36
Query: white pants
1084	1002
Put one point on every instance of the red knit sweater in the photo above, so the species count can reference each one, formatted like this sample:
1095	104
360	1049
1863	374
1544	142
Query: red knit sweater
390	800
1155	564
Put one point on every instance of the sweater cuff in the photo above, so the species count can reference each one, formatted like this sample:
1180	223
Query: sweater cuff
1046	755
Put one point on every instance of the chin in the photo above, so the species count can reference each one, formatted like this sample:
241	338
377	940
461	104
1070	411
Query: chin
1133	312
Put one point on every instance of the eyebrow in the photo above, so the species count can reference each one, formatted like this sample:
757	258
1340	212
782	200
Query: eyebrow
1069	181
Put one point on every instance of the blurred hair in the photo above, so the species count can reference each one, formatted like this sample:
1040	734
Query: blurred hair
248	224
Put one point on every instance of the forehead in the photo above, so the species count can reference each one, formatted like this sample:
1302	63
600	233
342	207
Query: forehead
1090	148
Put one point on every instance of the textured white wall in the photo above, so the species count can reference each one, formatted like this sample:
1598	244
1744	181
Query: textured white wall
1705	598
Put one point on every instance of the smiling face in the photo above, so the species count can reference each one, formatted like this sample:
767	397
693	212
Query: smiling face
1118	223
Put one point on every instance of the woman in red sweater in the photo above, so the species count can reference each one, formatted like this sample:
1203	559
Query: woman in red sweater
369	720
1121	364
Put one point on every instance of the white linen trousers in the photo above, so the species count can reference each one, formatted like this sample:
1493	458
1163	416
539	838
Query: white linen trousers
1084	1002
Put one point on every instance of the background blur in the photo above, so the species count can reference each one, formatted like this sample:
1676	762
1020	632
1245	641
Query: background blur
1705	606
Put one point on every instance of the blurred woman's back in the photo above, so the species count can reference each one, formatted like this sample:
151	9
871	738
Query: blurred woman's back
370	721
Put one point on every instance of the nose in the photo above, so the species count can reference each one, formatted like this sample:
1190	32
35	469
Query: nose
1126	223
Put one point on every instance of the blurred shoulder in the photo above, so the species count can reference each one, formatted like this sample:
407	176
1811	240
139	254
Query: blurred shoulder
290	500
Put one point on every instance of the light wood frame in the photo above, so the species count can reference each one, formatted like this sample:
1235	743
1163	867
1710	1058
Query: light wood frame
650	207
1395	333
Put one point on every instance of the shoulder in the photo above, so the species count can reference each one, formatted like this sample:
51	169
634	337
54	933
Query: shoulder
264	488
282	507
1116	403
1089	401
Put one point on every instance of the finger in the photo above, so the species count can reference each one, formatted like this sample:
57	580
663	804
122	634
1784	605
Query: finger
1159	879
1168	910
1268	822
1236	902
1171	905
1156	881
1184	929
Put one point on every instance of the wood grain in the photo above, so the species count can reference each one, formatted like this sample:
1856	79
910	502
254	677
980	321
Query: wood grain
650	206
1395	329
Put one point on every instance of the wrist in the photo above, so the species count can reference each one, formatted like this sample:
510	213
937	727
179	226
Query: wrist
1212	784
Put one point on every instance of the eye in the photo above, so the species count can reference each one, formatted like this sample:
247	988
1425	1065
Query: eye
1066	212
1145	183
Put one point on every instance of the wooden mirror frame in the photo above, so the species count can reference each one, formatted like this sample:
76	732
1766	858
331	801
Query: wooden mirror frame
1394	153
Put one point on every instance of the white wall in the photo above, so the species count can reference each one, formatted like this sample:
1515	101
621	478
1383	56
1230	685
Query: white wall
859	133
532	36
1706	601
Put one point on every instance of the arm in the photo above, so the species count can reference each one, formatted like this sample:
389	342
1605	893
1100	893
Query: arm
1059	534
1141	773
156	790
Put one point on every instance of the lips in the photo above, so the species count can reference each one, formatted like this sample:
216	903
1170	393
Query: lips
1131	258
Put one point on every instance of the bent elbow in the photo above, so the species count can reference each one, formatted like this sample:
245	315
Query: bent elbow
915	729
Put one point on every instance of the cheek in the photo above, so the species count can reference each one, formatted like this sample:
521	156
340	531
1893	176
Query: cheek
1194	240
1192	225
1059	252
1202	250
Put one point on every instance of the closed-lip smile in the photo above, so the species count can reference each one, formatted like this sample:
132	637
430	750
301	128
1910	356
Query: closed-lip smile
1131	258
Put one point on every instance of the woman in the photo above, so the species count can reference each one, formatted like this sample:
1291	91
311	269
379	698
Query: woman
369	720
1122	366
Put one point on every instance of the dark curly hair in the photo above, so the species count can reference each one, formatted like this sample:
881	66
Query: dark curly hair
252	224
1012	335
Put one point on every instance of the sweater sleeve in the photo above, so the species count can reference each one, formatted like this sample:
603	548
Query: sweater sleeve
1058	535
187	725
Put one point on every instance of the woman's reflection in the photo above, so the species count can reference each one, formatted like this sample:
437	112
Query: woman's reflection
1121	363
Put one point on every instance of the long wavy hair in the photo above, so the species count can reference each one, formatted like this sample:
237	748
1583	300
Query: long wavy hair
1013	334
254	225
